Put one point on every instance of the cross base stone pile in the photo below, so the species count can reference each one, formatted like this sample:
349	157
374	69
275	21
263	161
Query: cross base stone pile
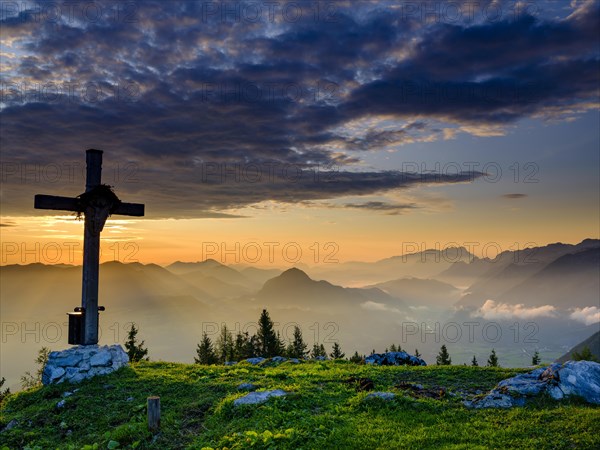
84	361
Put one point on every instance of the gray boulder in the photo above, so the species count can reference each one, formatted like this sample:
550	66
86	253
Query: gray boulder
394	359
52	374
10	425
66	358
255	361
382	395
525	384
101	359
495	399
573	378
278	359
581	378
254	398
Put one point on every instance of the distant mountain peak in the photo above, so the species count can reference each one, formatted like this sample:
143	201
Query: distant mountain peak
294	274
211	262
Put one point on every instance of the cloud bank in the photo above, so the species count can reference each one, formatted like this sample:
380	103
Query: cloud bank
588	315
174	86
382	307
492	310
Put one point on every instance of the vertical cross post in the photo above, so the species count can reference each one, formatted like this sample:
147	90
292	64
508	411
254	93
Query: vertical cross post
99	203
91	253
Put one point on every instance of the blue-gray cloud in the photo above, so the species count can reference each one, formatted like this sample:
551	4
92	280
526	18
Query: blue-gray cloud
176	87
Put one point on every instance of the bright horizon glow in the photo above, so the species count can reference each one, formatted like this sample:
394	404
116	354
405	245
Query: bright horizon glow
59	240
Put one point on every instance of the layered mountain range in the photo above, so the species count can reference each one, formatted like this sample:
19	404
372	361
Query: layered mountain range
363	306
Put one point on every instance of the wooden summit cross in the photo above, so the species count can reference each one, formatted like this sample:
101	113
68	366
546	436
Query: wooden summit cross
97	203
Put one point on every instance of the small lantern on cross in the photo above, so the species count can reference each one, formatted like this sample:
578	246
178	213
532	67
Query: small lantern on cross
96	204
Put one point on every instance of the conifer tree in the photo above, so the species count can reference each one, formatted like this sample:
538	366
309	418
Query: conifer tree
356	358
245	346
3	392
297	348
280	345
268	342
493	359
225	347
30	380
135	350
239	346
337	352
585	355
252	347
393	348
443	358
318	351
205	352
535	359
474	362
417	354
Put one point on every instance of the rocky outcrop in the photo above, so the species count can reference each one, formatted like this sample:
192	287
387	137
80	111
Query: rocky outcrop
82	362
254	398
394	359
274	361
381	395
573	378
255	361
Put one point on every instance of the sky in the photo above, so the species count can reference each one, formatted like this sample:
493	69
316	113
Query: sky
280	133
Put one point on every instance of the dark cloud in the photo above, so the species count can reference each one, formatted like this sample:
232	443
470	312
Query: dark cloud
514	196
388	208
173	88
205	189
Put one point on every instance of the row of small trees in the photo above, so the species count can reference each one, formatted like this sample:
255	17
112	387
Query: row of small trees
265	343
443	359
268	343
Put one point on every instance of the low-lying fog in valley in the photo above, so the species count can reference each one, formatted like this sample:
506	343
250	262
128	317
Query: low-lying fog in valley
542	299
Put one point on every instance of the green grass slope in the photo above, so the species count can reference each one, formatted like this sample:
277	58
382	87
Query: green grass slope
322	411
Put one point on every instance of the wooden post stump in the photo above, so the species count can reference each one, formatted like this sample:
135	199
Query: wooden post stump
153	413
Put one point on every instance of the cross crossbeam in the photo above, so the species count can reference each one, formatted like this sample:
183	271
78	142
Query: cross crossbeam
42	201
